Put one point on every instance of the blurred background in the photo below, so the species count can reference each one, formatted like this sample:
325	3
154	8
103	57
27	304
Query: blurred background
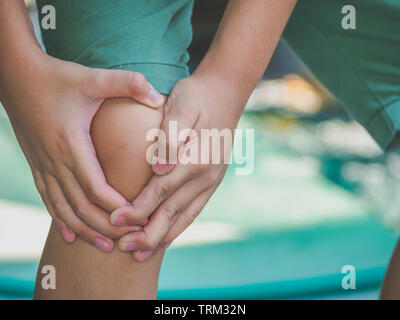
322	196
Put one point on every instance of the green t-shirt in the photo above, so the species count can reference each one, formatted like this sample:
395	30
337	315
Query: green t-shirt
361	66
147	36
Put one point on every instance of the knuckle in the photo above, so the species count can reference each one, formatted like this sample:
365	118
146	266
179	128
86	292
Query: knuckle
146	242
170	213
135	79
47	167
81	207
164	242
159	192
59	206
150	244
51	172
93	193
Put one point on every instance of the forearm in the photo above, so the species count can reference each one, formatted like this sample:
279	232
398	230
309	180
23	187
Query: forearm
245	41
19	48
17	38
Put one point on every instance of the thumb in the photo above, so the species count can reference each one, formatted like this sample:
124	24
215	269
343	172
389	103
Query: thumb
176	128
125	84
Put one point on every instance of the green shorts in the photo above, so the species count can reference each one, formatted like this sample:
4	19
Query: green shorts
147	36
361	67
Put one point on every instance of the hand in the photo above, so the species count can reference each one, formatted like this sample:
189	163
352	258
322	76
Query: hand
51	107
177	193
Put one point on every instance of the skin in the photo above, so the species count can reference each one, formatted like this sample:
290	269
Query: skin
83	272
391	285
51	104
213	97
51	116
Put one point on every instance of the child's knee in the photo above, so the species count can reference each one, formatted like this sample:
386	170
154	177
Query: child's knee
119	134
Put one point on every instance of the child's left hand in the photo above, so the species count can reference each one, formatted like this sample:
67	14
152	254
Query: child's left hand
177	193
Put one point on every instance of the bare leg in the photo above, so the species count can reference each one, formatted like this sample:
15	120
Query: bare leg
82	271
391	285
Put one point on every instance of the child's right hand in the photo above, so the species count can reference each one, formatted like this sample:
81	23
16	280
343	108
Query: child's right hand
51	104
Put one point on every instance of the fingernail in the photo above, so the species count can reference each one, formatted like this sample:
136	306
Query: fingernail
144	222
155	98
118	221
162	167
102	244
67	234
129	246
143	255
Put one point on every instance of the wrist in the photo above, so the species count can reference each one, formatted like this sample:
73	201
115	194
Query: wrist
20	49
227	75
23	78
20	67
233	94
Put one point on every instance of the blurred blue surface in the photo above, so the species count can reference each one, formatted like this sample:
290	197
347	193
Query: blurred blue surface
291	232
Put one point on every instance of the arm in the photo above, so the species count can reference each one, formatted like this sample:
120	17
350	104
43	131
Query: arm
243	46
213	97
51	104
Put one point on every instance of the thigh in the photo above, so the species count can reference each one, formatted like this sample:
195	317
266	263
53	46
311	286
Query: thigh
83	272
391	285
